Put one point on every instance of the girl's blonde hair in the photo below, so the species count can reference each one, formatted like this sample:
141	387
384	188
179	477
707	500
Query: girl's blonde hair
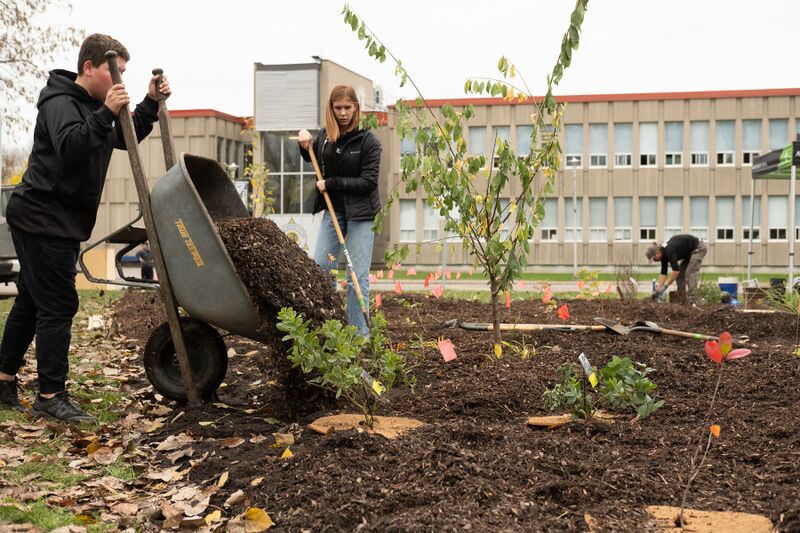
341	92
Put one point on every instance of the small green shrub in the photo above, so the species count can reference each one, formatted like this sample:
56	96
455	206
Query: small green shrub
623	384
708	293
359	368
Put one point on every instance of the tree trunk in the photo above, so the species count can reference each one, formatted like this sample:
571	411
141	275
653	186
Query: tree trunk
495	311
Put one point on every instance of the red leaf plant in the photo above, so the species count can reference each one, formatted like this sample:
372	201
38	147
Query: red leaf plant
719	352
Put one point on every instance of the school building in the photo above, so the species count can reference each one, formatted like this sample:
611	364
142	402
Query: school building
645	167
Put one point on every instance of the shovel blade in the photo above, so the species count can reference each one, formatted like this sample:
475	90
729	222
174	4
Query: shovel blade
616	327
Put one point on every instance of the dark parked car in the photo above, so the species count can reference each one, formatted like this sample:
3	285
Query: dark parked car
9	266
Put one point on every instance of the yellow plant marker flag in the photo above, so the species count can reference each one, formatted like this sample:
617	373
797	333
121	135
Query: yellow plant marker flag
377	387
287	454
498	351
593	379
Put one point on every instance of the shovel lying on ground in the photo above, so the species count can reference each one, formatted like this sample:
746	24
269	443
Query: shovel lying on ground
646	325
487	326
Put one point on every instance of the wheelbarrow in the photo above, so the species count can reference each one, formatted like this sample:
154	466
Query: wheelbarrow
186	202
185	358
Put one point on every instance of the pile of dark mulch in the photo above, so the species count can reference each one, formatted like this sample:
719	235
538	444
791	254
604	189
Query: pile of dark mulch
137	313
277	273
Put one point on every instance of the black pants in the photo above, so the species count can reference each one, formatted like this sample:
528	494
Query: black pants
147	272
45	306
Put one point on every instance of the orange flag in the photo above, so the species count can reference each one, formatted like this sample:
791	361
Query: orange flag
508	299
437	291
563	312
378	301
398	288
548	295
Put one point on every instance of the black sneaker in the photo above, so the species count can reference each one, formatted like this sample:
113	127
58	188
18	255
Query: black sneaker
60	408
9	395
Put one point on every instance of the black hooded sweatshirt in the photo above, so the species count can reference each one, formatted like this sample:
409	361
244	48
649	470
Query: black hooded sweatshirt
74	137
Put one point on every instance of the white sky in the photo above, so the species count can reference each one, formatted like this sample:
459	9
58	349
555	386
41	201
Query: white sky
208	48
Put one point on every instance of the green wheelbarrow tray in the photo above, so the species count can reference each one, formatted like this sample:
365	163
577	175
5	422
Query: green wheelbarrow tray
186	202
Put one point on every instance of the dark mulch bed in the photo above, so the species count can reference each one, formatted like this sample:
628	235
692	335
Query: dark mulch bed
476	465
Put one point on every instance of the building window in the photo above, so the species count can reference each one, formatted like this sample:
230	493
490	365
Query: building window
648	218
751	140
725	218
477	140
500	135
623	144
524	140
698	216
673	216
573	147
573	220
726	146
746	218
408	146
430	224
549	224
598	145
648	144
778	133
598	223
291	181
453	236
408	220
699	141
622	219
673	144
777	217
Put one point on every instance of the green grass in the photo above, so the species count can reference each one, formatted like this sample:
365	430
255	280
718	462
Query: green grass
120	470
55	473
38	513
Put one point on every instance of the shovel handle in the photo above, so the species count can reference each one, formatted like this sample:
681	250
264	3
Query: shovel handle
697	336
486	326
167	141
340	236
159	73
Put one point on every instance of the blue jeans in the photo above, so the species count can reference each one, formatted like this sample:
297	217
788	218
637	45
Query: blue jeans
358	237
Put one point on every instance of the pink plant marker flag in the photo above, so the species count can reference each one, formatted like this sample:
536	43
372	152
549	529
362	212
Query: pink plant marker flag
581	285
373	278
447	349
447	273
608	288
521	285
548	295
378	300
470	271
379	274
390	274
437	291
428	279
411	272
398	288
458	275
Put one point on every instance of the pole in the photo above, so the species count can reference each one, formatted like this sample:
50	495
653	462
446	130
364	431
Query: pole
792	192
573	162
752	217
167	296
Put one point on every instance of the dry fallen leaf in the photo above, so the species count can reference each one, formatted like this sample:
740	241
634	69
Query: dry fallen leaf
106	456
173	442
213	517
125	508
257	439
232	442
180	454
283	439
256	481
235	498
257	520
222	479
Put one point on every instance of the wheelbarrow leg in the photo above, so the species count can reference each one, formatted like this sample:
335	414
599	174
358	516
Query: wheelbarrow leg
167	296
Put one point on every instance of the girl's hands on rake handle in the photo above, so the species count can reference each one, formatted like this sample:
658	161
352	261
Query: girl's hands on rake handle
304	139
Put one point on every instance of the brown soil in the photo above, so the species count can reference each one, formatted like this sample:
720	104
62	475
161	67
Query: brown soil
476	464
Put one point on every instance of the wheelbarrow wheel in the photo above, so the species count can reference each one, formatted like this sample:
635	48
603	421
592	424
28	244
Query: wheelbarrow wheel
208	359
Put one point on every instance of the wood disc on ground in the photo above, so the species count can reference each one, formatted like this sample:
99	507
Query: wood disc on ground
390	427
708	521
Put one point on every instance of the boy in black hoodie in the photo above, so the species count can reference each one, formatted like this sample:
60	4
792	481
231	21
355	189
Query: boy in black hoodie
54	209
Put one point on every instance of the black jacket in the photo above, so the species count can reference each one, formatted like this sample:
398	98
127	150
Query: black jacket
74	137
353	175
677	250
